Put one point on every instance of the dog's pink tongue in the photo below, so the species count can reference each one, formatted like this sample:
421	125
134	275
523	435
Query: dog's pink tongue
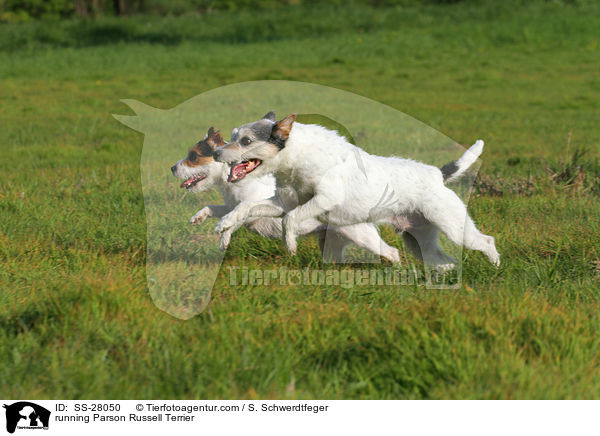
236	171
187	182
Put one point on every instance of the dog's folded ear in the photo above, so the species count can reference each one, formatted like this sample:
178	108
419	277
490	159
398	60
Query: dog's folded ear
270	116
214	138
283	127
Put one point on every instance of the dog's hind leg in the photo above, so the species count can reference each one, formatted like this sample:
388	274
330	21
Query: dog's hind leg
331	242
366	235
476	240
446	211
332	245
422	242
333	250
412	245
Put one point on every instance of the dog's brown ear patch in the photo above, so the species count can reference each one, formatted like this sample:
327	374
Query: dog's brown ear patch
200	154
283	128
214	138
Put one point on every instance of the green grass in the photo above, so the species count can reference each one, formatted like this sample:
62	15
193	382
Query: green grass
76	318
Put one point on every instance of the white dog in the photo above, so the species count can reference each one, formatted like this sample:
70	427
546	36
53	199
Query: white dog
341	184
200	172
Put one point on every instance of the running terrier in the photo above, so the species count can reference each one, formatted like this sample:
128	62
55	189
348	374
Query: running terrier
340	184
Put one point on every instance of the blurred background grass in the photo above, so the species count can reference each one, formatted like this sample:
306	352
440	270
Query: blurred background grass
24	10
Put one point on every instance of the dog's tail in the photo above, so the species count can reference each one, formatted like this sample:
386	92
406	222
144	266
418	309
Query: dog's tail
453	170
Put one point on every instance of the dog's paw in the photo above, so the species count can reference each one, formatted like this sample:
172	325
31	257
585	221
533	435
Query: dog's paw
219	228
291	244
445	267
495	261
200	216
225	240
226	223
393	255
289	235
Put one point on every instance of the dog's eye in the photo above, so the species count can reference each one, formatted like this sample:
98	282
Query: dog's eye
245	140
192	155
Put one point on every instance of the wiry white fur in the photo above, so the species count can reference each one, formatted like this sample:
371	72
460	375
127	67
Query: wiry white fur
341	184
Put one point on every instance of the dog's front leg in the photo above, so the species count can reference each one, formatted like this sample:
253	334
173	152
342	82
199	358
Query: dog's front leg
316	206
249	209
206	212
244	211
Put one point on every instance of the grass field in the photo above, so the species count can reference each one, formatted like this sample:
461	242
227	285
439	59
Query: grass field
76	318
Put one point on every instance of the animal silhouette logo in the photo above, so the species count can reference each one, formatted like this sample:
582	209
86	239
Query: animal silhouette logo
184	261
26	415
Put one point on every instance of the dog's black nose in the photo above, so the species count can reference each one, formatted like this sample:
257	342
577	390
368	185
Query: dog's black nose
174	168
217	154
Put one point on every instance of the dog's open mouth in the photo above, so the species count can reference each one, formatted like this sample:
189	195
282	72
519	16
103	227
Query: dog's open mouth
240	170
193	181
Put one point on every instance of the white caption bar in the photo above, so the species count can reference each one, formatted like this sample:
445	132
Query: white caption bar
297	417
